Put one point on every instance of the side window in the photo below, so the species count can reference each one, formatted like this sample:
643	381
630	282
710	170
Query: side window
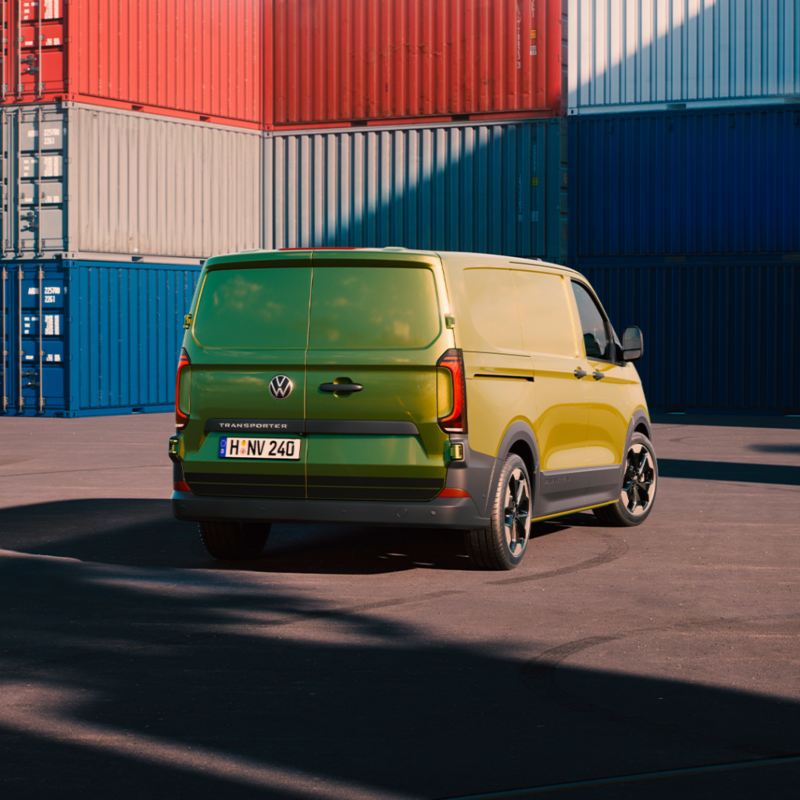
594	325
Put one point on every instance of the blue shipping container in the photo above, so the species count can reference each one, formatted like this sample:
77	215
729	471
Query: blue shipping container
83	338
698	184
487	187
718	337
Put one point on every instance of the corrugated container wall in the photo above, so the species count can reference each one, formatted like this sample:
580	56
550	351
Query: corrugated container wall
629	54
685	184
497	188
94	337
86	181
350	60
717	336
203	59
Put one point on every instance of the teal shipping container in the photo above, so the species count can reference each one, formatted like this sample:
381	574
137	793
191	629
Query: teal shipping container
493	188
83	338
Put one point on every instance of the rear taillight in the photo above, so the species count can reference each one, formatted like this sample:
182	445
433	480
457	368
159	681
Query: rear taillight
181	411
456	420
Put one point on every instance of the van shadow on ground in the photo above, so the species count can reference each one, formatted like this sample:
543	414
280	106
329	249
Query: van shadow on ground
144	533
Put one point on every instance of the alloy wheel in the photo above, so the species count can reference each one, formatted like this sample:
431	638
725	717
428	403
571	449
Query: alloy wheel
517	513
639	484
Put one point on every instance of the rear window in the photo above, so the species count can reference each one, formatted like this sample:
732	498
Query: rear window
259	308
366	307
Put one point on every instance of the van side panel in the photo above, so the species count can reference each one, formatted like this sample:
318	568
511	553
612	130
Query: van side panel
520	357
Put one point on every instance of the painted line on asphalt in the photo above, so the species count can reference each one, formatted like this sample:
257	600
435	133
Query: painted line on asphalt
87	469
638	777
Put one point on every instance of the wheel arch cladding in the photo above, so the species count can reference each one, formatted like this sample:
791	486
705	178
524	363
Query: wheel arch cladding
523	450
517	439
640	424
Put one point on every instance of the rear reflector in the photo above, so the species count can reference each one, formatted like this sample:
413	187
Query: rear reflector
454	493
181	486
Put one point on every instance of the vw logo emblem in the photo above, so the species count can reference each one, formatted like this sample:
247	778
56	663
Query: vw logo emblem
281	386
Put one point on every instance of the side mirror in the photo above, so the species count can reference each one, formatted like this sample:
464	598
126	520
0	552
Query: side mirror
632	344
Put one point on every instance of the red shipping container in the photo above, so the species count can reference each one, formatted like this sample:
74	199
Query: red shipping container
339	61
200	59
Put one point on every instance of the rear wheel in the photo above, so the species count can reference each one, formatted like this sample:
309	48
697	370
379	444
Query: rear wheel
503	544
234	541
638	491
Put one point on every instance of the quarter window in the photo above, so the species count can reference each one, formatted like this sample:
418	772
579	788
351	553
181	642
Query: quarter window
594	325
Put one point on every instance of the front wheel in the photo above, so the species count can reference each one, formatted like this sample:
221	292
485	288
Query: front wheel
503	544
638	491
234	541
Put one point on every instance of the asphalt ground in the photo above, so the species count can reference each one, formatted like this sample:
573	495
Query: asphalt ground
653	662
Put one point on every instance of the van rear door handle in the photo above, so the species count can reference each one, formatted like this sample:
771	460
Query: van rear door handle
580	373
344	388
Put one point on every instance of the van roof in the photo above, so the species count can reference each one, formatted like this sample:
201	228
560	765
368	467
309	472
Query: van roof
305	253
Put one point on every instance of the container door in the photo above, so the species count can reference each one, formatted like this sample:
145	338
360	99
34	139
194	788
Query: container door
33	332
33	61
245	386
40	340
375	334
40	134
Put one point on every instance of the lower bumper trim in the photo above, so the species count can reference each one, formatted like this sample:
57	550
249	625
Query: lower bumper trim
448	512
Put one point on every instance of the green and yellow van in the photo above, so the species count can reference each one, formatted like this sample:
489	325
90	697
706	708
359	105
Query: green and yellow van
404	387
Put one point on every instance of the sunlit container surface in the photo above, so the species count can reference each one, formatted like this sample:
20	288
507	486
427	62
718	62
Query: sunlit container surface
352	60
498	188
94	337
687	184
649	53
722	337
201	59
84	181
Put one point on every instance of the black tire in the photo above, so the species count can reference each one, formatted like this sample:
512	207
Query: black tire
503	544
234	541
638	490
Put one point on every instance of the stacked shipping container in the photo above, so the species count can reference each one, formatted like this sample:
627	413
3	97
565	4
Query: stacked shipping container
490	187
685	191
201	60
89	174
418	124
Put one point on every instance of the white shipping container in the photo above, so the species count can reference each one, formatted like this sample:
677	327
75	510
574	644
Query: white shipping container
84	182
648	54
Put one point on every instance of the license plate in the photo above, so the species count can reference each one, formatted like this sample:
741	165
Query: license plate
250	447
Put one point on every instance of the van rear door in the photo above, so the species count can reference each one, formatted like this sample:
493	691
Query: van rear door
249	331
376	331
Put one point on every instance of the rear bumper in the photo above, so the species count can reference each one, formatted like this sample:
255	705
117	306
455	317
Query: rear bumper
459	512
